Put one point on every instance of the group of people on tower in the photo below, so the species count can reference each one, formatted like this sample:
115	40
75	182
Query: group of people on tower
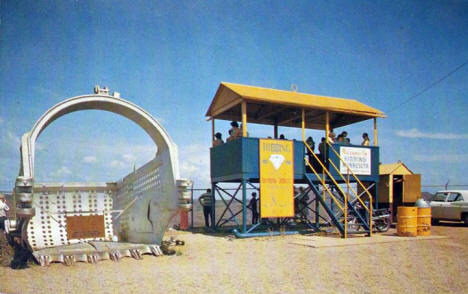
236	132
343	138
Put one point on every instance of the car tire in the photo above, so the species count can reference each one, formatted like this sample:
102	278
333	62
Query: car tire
465	219
434	221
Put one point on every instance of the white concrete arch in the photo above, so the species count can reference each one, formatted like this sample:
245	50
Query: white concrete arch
147	198
98	102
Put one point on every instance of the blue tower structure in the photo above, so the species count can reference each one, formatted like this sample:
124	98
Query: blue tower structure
340	182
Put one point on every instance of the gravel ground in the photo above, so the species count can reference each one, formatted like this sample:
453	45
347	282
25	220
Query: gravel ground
220	264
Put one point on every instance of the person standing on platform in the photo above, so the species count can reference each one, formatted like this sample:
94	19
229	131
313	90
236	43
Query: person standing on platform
366	141
218	140
253	206
322	147
207	203
331	136
236	132
311	143
342	138
309	152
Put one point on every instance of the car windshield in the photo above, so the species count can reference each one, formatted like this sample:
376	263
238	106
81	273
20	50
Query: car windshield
439	197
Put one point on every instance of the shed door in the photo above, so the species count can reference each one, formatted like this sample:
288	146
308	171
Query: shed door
411	188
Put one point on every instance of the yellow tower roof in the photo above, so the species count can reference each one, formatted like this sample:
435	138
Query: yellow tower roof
270	106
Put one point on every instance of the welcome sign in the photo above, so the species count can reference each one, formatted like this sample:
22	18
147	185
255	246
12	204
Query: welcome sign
358	160
276	178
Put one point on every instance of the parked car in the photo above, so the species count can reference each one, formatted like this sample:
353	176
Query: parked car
450	205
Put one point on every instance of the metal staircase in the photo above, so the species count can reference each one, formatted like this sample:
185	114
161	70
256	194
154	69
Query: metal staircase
353	215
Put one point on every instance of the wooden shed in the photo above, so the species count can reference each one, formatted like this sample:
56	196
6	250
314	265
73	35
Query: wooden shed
398	186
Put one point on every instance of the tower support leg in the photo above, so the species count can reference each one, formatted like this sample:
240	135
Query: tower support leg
317	213
213	206
244	206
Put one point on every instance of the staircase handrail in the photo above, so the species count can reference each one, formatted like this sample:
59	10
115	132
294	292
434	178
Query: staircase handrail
369	209
326	170
324	185
351	188
352	173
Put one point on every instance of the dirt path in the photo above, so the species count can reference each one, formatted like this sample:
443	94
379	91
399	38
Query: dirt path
265	265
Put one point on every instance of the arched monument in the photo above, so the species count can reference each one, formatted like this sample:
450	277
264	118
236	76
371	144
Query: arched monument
98	220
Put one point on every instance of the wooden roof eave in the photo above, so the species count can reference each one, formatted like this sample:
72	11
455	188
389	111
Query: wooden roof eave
330	109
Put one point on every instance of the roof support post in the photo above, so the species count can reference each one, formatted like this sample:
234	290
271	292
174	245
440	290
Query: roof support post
303	125
390	189
275	129
244	118
375	131
212	129
327	126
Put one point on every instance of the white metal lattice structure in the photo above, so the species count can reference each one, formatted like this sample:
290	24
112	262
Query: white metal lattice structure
135	195
54	202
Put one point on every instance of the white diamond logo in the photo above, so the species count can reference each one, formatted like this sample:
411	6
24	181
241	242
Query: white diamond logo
277	160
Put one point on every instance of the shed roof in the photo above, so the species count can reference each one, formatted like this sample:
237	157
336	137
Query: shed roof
398	168
270	106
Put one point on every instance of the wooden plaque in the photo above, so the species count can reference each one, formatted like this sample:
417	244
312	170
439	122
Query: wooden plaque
85	226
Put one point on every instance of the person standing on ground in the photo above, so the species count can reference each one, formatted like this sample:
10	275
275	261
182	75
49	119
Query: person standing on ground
3	209
253	206
366	141
207	203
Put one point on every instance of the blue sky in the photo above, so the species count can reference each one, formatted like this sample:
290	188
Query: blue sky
169	57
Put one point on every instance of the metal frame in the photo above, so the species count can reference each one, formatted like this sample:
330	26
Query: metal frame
242	227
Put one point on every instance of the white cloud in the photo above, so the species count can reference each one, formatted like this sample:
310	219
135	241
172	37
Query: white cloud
118	164
89	159
454	158
127	161
194	163
415	133
12	138
10	142
61	172
160	119
128	157
40	147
